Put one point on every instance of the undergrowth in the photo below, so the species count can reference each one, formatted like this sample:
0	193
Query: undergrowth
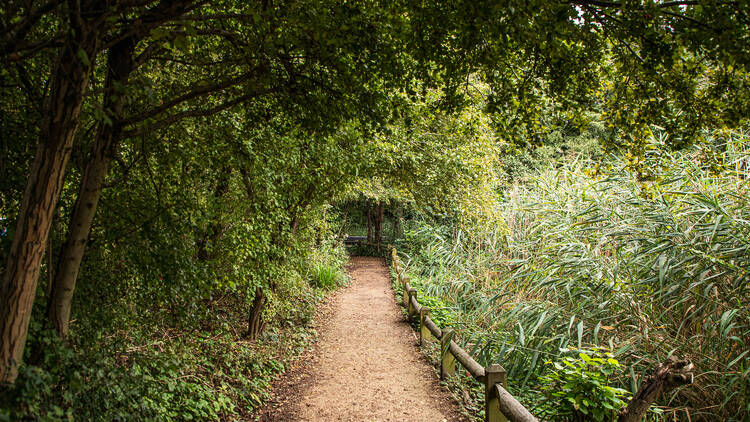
174	368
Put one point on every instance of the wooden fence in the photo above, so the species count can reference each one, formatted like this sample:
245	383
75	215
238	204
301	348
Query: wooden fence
499	405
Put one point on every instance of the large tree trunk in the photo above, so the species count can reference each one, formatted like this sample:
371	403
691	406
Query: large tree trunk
69	81
255	320
119	67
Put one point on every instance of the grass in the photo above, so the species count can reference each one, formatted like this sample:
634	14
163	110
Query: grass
328	277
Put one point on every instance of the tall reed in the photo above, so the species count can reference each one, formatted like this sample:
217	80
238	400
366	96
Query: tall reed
647	268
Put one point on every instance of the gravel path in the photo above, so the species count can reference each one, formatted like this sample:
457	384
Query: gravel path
366	365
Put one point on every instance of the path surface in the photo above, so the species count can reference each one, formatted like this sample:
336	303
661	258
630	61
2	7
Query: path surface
366	366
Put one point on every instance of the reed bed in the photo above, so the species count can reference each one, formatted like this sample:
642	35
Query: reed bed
646	268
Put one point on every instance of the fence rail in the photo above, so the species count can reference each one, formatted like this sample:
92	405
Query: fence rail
499	404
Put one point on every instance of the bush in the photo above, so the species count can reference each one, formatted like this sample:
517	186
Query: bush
577	387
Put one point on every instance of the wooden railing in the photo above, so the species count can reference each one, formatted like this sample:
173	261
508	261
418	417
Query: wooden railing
499	404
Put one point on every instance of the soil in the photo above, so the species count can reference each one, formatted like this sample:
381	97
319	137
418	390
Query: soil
366	365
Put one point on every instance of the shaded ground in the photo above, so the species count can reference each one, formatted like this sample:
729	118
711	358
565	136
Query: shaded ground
366	366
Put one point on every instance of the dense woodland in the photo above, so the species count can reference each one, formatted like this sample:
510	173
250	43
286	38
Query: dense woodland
567	183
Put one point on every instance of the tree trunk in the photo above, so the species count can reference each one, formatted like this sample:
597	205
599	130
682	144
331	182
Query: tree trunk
395	228
50	274
69	81
369	224
255	320
294	225
379	212
215	229
119	67
120	64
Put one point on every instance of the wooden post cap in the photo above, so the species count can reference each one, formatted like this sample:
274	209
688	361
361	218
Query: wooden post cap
494	374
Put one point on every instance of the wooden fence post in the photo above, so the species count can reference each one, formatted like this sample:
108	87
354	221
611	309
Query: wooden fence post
494	374
404	285
424	332
447	360
410	307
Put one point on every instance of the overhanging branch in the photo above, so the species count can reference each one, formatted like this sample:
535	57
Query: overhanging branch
196	112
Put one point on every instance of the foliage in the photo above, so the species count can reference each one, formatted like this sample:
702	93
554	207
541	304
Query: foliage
579	387
235	125
328	273
441	312
327	277
673	64
185	357
432	158
591	254
159	372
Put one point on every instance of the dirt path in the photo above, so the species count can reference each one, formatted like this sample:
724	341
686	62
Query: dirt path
366	366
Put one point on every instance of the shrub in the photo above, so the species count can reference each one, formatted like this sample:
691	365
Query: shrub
577	387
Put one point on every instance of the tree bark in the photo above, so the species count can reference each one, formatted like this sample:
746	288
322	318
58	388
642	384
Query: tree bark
396	224
119	67
69	81
369	224
379	212
215	229
255	320
120	64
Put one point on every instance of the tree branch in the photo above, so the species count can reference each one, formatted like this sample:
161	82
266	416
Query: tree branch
196	112
669	375
202	90
13	34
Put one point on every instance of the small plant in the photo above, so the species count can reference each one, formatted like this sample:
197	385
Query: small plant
577	387
442	312
327	277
